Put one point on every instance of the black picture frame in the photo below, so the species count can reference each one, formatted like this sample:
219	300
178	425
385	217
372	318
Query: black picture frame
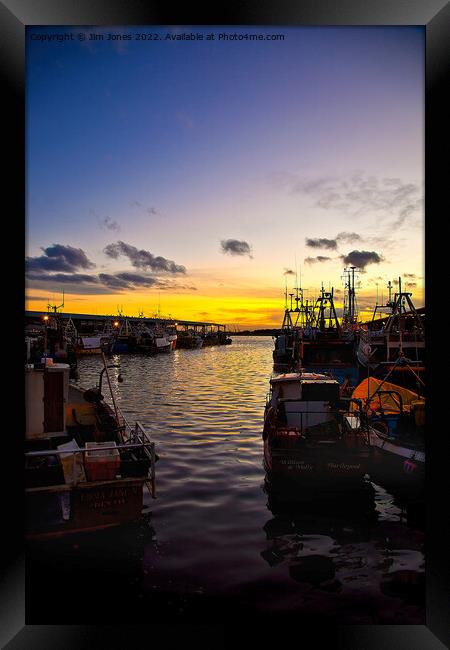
434	15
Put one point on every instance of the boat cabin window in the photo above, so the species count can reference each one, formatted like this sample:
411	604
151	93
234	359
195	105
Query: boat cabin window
287	390
320	392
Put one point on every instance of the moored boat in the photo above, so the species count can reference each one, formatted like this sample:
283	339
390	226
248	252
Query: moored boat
85	466
163	344
210	339
305	437
328	346
53	341
286	345
126	340
312	339
88	345
189	340
395	345
394	419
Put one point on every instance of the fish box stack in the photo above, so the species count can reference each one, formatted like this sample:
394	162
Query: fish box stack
101	464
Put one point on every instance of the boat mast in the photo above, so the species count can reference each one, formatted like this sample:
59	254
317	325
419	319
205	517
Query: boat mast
399	305
325	301
287	320
388	306
349	316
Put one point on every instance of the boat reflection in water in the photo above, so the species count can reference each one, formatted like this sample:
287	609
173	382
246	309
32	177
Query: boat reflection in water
353	559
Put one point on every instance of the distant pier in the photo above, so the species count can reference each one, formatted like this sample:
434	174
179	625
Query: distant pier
89	322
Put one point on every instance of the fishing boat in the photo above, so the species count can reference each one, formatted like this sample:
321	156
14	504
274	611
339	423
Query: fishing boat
141	338
305	436
85	466
393	418
94	342
88	345
223	337
163	344
328	346
395	344
146	341
164	336
125	341
313	340
50	339
189	340
210	339
286	345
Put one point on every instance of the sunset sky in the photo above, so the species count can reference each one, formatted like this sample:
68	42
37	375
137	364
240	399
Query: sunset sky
198	177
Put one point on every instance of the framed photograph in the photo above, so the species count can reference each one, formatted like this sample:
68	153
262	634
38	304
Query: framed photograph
229	224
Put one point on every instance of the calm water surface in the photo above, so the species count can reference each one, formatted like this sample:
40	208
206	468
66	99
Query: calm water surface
216	539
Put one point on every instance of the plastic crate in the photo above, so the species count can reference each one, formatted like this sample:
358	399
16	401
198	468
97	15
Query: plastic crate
101	464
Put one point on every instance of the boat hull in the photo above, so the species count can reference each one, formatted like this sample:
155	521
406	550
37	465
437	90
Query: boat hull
82	352
87	506
395	465
341	463
164	349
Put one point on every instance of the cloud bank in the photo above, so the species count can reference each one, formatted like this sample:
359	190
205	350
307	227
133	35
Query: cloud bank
357	194
59	258
331	244
361	259
142	259
314	260
235	247
62	265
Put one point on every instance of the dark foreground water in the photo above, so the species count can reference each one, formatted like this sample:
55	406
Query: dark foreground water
217	542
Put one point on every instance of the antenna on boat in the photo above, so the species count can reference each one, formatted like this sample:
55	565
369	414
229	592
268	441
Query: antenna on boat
389	286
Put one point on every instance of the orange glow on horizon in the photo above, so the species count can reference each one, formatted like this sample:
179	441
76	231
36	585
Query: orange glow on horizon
258	308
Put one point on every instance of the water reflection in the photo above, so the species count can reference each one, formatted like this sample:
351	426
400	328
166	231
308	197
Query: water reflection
348	546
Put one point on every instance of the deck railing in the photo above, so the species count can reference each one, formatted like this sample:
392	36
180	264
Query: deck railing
137	439
336	415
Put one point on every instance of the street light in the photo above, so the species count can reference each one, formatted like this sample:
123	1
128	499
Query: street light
45	336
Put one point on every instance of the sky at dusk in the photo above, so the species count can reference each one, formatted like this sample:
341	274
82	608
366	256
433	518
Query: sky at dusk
198	177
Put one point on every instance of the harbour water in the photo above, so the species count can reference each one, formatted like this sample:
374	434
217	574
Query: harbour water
216	541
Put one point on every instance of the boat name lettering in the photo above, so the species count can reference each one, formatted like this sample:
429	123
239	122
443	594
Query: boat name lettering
343	466
297	463
113	493
107	503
